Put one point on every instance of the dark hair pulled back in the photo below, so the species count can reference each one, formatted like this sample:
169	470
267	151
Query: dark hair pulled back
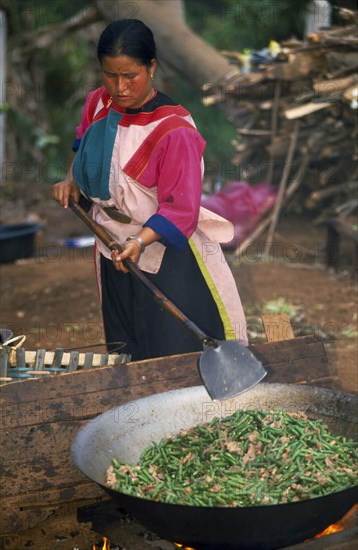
129	37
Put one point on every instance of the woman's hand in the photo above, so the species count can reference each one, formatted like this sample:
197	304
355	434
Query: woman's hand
131	252
63	190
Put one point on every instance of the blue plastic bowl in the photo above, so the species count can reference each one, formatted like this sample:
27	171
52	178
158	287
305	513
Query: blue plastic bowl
18	241
5	335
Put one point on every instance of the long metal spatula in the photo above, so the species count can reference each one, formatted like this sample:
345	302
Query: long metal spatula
227	368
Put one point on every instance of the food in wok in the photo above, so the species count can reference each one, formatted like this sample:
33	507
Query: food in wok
249	458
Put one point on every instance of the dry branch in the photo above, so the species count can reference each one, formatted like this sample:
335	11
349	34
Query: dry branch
281	189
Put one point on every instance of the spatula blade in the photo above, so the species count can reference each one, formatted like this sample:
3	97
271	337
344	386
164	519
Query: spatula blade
229	369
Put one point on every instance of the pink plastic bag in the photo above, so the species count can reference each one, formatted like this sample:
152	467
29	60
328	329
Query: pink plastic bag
242	204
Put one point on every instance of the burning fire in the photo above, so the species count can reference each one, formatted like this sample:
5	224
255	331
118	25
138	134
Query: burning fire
340	525
105	546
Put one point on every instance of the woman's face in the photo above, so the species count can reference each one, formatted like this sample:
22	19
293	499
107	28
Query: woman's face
126	81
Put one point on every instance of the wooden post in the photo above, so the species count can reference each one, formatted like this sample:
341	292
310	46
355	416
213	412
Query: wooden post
336	229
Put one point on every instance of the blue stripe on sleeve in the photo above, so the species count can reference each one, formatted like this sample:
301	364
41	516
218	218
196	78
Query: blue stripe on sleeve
169	232
76	145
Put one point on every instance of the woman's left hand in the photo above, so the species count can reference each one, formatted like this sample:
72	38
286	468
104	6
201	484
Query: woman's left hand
131	252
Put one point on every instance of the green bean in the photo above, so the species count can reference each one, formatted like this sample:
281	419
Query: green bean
242	461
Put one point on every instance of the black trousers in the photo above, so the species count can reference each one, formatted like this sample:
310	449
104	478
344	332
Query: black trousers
132	315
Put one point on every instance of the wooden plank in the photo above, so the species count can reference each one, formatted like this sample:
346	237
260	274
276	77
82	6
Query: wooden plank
319	375
85	381
28	509
160	369
42	458
106	378
84	394
38	474
287	351
50	477
277	327
44	439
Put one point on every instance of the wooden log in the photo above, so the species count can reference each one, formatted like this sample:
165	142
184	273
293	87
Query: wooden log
319	86
346	208
317	196
254	132
41	416
302	64
307	109
333	87
342	72
328	42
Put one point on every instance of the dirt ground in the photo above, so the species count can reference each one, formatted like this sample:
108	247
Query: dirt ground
52	299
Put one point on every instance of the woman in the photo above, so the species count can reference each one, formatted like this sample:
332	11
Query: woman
139	159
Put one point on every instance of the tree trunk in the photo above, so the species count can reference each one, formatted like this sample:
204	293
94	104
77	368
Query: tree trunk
177	45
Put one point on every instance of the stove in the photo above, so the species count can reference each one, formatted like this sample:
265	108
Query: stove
125	533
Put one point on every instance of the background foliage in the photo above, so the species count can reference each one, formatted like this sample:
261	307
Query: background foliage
70	68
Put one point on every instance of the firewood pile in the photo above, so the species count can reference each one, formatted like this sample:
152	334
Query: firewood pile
296	118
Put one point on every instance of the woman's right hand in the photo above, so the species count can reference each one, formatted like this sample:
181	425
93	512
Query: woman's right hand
63	190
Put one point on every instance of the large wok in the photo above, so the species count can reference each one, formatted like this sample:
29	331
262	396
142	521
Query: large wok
123	432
